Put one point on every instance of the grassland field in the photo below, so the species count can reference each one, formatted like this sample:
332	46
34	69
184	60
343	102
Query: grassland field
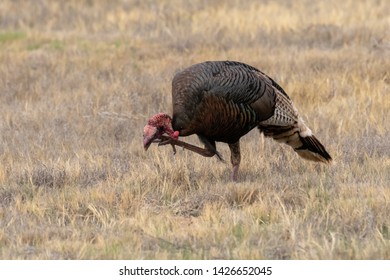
79	79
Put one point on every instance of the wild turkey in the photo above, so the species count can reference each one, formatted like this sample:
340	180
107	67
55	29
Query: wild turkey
221	101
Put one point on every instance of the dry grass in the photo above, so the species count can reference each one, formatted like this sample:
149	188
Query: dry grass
78	79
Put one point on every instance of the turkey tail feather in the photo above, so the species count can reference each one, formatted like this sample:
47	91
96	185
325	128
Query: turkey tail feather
301	139
312	149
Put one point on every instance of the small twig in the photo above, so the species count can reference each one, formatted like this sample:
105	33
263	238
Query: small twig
113	115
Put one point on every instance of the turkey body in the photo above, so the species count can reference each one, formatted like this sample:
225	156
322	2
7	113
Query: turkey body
221	100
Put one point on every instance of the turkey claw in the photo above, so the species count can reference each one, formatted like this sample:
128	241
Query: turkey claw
167	140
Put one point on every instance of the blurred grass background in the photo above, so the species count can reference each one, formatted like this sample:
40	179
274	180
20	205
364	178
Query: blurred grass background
78	80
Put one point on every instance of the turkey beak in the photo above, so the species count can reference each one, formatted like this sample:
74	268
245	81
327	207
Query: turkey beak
150	134
147	142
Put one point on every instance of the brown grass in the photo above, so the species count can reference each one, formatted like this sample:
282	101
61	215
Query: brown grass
78	79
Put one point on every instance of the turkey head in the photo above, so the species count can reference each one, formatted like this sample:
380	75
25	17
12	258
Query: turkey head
157	126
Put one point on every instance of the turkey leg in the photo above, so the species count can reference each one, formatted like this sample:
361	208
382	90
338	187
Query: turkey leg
235	159
207	152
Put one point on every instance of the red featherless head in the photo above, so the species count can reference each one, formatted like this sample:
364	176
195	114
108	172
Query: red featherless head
158	125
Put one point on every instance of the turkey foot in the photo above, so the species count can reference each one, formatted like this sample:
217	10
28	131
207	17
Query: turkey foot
165	140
